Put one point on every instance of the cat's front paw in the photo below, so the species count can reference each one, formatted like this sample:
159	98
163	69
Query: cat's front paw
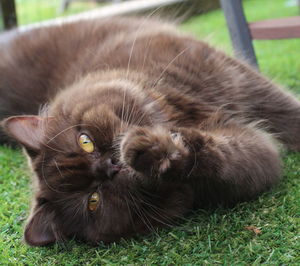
152	151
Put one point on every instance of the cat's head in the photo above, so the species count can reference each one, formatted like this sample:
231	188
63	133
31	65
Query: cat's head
82	189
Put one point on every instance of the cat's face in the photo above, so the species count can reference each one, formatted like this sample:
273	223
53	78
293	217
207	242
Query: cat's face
83	189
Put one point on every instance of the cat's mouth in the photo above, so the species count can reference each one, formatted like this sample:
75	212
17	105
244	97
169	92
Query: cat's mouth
125	170
121	171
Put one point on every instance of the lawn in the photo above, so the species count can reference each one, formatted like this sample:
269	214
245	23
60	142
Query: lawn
207	237
30	11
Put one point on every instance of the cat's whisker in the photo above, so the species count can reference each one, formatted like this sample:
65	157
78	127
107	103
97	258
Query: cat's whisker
134	113
56	165
136	209
132	48
129	212
130	110
147	214
146	53
139	120
44	178
156	218
139	212
169	64
134	109
68	197
123	106
125	118
195	161
63	131
158	211
114	126
53	149
136	36
78	209
161	211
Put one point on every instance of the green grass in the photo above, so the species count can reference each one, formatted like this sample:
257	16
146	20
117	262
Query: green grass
30	11
207	237
277	59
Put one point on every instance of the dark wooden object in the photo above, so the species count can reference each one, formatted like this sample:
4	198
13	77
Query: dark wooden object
238	29
8	13
283	28
242	33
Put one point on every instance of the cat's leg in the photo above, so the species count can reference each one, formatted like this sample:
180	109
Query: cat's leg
241	90
279	109
224	165
260	99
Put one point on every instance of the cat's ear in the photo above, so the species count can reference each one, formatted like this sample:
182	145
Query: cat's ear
27	130
39	231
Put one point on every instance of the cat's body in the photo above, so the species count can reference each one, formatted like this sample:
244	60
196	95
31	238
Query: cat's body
174	124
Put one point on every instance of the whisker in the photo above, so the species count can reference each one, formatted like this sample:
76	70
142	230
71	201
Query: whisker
140	214
129	211
137	33
157	210
64	130
51	148
174	216
169	64
44	178
58	168
195	161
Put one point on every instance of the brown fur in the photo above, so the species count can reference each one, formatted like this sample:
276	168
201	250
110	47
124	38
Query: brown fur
178	119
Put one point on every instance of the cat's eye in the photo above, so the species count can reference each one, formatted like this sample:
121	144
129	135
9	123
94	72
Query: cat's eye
86	143
94	201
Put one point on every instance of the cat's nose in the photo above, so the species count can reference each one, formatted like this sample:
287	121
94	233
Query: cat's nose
111	167
108	167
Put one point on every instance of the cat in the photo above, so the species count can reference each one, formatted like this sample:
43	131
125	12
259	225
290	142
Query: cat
130	124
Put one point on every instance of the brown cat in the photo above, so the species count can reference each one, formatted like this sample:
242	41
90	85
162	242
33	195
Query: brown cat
138	124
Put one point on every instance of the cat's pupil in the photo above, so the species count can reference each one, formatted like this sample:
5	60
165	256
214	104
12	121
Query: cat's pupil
93	201
86	144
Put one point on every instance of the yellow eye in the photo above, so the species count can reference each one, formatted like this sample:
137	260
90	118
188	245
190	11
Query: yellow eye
94	201
85	143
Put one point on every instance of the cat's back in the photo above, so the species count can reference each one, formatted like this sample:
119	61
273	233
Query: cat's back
36	64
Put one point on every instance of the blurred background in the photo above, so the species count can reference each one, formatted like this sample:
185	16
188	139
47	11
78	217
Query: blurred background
24	12
31	11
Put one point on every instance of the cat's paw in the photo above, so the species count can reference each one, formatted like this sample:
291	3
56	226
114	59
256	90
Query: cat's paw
152	150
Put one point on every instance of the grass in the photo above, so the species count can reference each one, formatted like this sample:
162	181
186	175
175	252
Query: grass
30	11
218	237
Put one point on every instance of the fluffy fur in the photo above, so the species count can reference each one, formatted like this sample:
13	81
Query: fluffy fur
176	125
